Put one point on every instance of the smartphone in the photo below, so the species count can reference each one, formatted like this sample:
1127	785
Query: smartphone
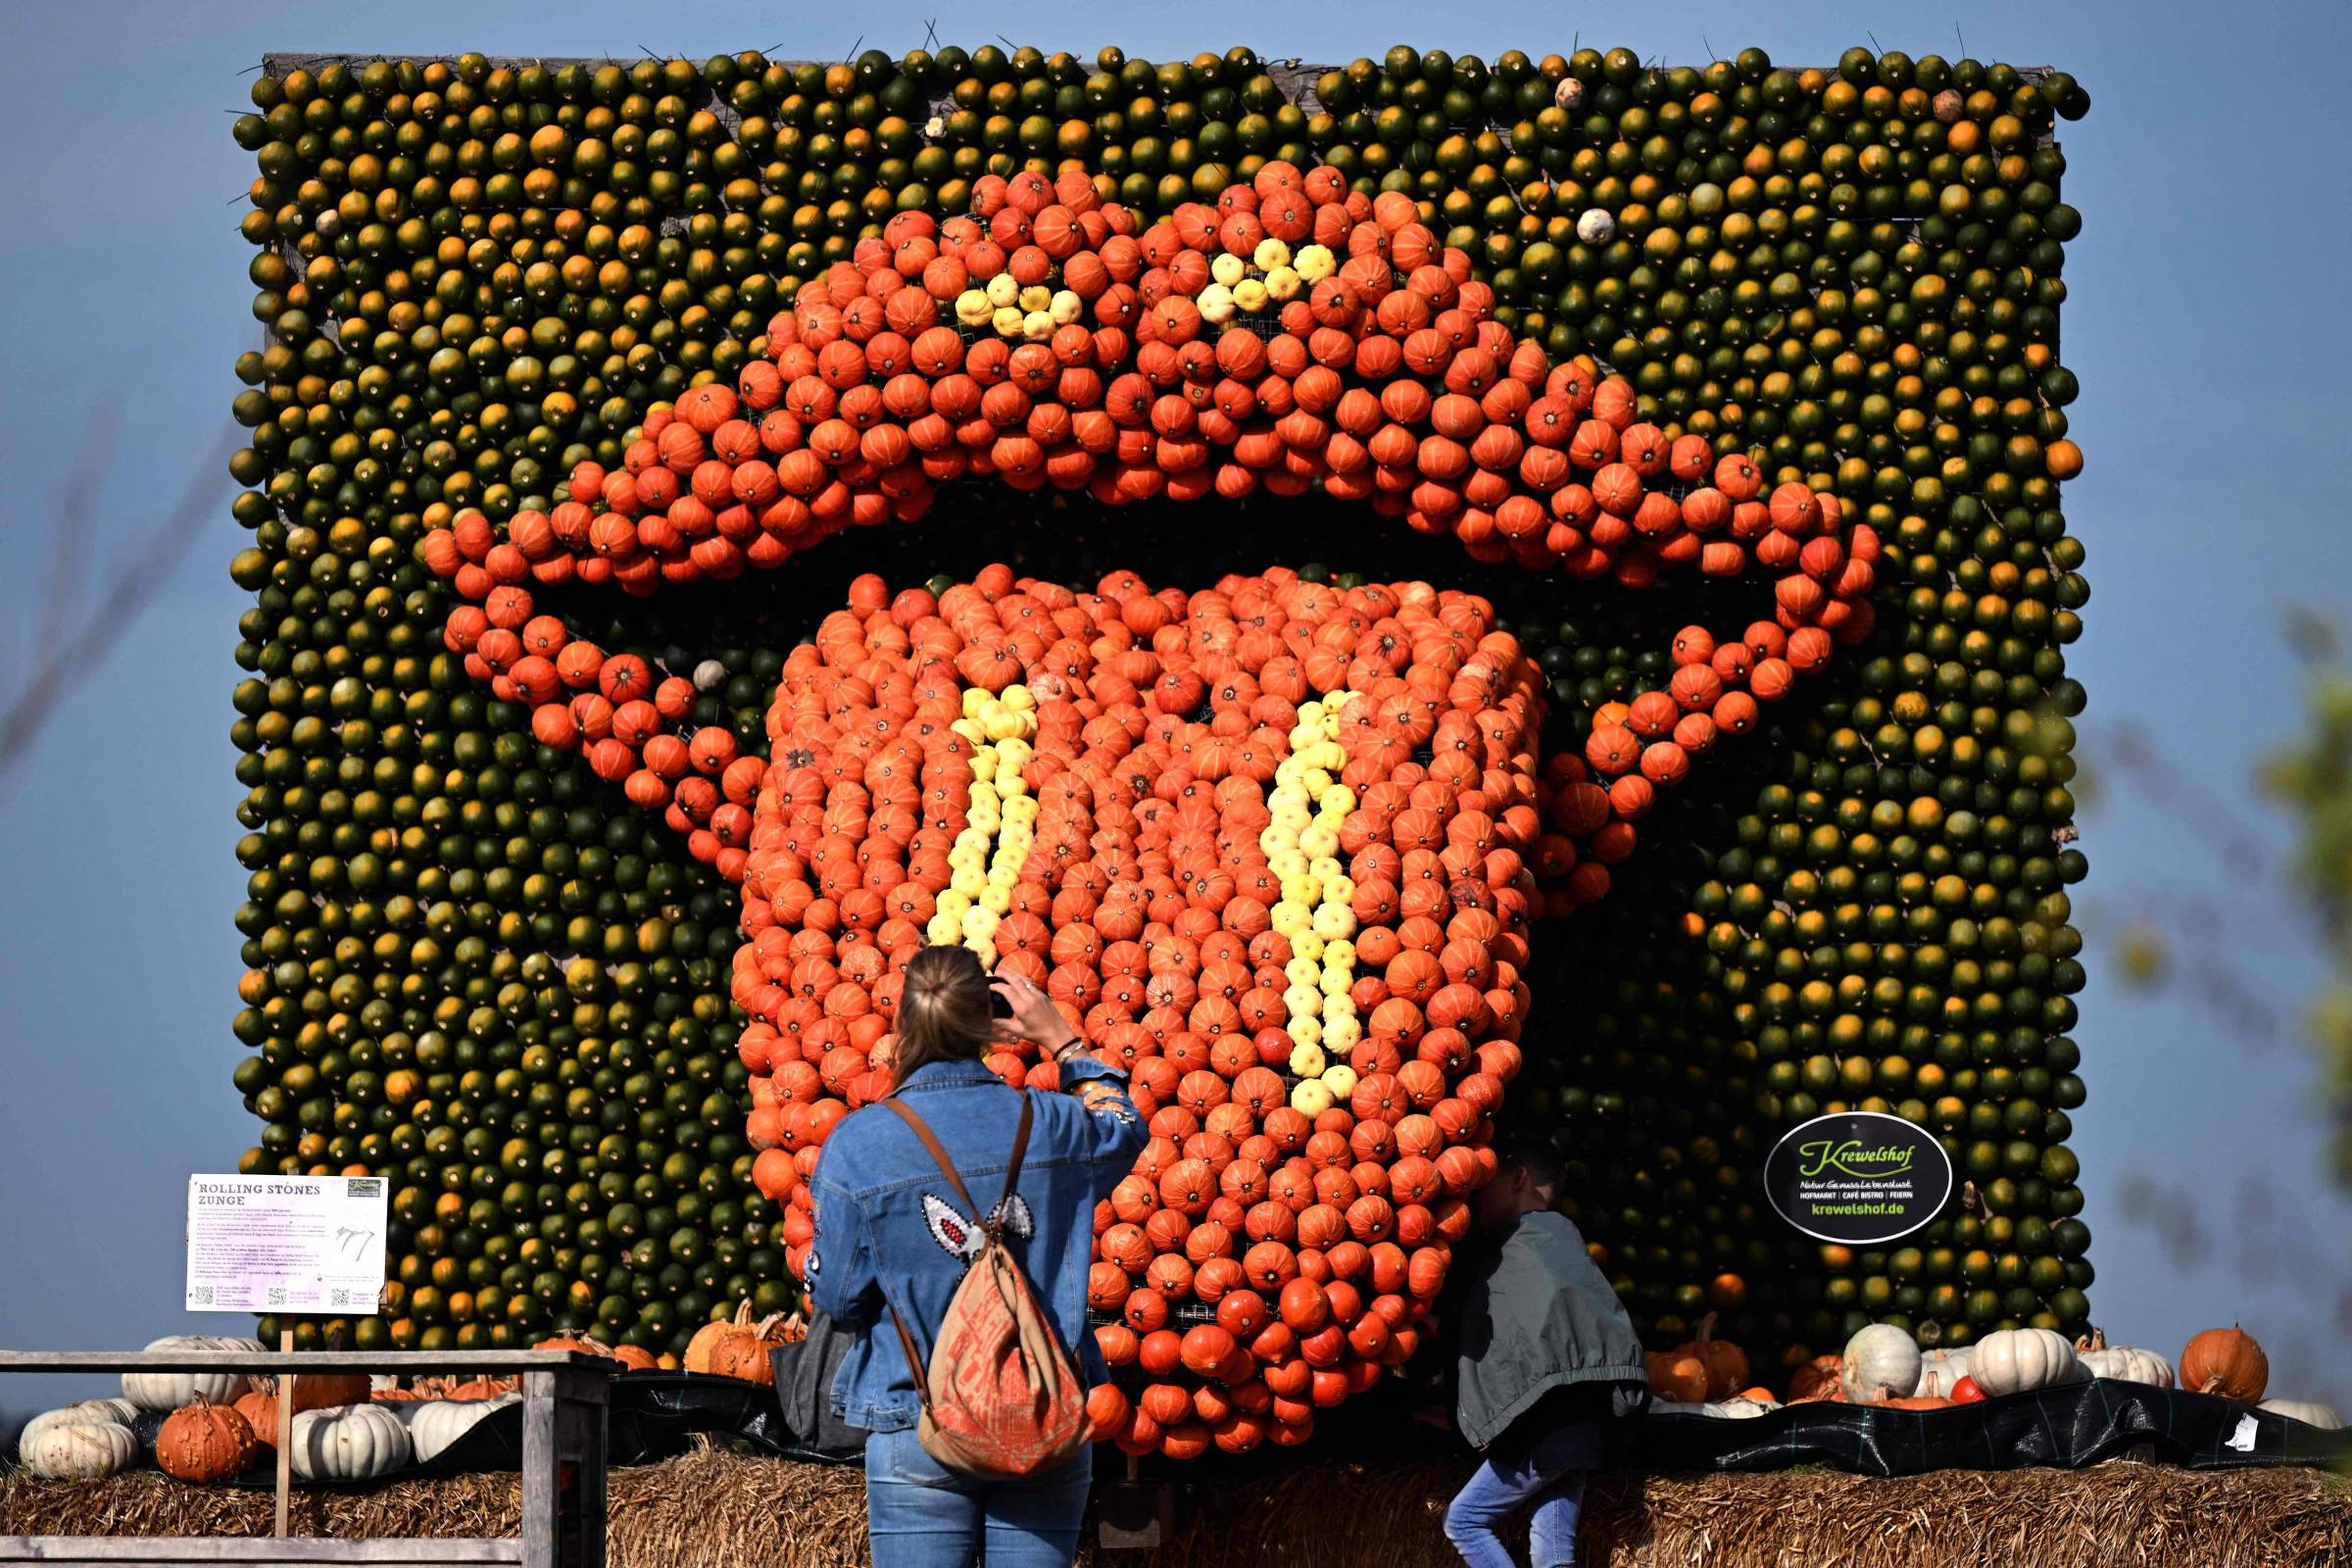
1000	1006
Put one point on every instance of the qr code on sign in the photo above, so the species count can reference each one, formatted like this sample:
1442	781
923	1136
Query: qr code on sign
202	1295
340	1296
277	1296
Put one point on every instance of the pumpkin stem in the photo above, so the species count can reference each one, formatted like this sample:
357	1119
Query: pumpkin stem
2095	1340
1706	1328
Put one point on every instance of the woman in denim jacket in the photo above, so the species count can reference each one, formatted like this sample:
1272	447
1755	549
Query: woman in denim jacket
889	1233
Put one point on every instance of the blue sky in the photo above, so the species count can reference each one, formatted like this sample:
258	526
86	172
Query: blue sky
2202	322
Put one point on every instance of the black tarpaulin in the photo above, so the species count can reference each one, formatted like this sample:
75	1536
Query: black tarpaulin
2069	1427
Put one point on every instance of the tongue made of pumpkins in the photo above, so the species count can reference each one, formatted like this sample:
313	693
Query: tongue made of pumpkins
1275	867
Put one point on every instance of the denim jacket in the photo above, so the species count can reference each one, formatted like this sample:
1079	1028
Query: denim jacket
887	1225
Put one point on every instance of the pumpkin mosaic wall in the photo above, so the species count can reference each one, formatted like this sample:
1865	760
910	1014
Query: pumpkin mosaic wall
1418	598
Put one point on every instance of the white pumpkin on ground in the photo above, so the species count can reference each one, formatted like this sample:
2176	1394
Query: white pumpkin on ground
435	1424
2322	1417
82	1413
349	1443
1941	1371
2013	1360
1882	1362
2125	1364
77	1451
170	1390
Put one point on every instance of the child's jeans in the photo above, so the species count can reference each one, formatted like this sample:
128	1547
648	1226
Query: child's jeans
1550	1472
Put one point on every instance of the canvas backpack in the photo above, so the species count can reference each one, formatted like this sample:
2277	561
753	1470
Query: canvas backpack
1002	1396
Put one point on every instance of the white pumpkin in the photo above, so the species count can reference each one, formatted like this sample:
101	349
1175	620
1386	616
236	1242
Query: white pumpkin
82	1413
2322	1417
2012	1360
1714	1409
1597	225
1939	1371
2128	1363
435	1424
1882	1362
170	1390
349	1443
83	1451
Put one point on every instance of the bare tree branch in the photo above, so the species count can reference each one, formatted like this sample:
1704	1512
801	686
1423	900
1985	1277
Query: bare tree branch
77	637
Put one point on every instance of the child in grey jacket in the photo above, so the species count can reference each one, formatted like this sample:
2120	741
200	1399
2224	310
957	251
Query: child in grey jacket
1548	1356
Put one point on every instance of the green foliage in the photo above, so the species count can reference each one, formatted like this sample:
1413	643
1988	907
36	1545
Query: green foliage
2313	778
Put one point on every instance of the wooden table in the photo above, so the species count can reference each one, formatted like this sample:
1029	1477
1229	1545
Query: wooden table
562	1461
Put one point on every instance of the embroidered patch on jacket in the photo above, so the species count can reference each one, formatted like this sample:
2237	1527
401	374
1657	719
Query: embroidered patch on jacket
961	1238
1104	1100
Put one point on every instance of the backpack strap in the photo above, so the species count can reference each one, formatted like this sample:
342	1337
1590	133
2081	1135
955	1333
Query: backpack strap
939	1153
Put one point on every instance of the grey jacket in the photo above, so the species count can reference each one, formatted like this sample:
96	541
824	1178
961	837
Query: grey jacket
806	1372
1538	1316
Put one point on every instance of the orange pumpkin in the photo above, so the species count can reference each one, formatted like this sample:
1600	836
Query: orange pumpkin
322	1392
1922	1403
476	1389
577	1344
1677	1375
739	1351
1817	1379
2228	1362
260	1413
204	1443
1725	1362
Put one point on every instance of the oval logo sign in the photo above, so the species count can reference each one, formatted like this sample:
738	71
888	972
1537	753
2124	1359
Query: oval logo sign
1859	1177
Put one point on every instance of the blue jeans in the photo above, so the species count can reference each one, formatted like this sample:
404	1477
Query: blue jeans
1506	1482
920	1514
